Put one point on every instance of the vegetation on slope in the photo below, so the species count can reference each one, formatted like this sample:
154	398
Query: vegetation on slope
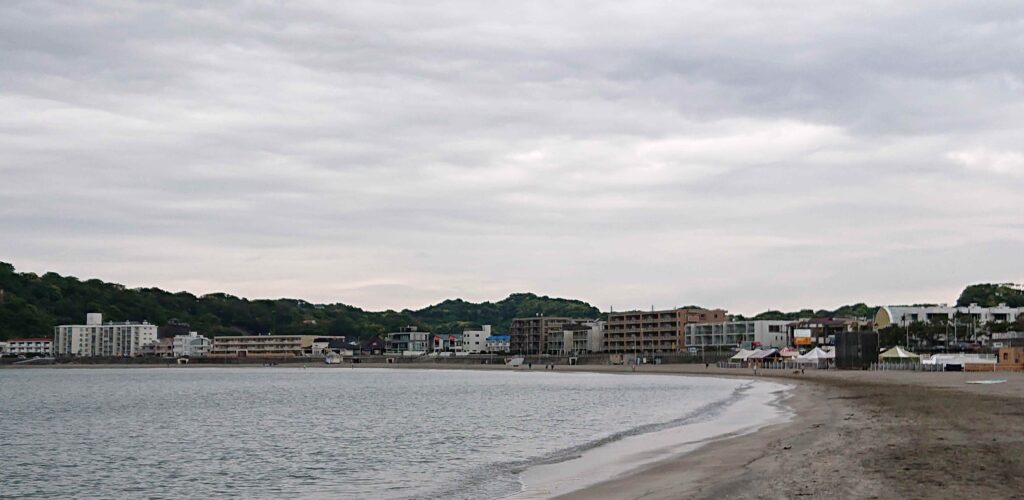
31	305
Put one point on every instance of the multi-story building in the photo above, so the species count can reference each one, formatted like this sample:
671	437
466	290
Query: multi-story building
595	338
38	346
497	343
4	348
745	334
972	314
408	340
574	340
192	345
270	346
530	335
96	338
654	331
475	341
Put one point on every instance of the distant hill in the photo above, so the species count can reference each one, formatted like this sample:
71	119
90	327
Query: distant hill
989	295
31	305
859	310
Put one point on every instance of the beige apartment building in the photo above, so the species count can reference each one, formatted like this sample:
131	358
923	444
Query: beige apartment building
654	332
270	346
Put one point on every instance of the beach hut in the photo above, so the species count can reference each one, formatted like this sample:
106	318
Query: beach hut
899	355
741	356
766	355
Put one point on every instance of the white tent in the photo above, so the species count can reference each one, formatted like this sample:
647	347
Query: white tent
899	355
742	355
815	355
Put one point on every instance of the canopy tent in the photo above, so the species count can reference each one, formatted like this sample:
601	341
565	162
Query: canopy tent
789	352
899	355
815	355
742	355
762	355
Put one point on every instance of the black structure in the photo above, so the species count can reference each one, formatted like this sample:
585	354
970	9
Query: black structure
856	350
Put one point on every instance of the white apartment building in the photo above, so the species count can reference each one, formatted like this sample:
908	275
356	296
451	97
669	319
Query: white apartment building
975	314
764	333
192	345
30	346
4	346
96	338
475	341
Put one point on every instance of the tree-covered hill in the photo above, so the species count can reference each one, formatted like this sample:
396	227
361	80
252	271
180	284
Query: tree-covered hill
31	305
859	310
990	295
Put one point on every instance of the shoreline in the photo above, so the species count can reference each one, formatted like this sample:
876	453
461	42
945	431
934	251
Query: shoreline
853	434
635	453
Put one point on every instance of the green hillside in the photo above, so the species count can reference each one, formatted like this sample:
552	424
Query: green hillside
31	305
989	295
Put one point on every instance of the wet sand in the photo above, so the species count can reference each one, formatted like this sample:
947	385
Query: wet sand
858	435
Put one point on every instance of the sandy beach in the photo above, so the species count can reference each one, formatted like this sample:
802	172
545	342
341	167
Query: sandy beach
857	435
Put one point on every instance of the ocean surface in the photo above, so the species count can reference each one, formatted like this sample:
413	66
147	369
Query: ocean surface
324	433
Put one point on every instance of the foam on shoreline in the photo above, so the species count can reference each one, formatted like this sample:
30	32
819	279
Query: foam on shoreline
756	407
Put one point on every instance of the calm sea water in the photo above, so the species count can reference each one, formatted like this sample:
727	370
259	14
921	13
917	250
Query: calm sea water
318	433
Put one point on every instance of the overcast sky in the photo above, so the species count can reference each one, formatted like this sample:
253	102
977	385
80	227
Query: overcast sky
747	156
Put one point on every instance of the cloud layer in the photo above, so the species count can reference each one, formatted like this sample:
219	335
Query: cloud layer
391	155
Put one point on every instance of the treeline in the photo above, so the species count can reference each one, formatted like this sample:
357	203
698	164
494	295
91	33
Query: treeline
31	305
859	310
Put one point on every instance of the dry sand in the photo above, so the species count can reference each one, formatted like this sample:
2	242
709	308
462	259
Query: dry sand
857	435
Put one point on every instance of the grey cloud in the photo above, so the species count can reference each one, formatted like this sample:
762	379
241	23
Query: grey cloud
395	154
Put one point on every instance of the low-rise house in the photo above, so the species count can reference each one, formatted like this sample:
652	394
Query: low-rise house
163	348
26	346
498	343
446	343
372	347
1007	339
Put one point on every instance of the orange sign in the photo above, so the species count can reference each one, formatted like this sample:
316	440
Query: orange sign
802	341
